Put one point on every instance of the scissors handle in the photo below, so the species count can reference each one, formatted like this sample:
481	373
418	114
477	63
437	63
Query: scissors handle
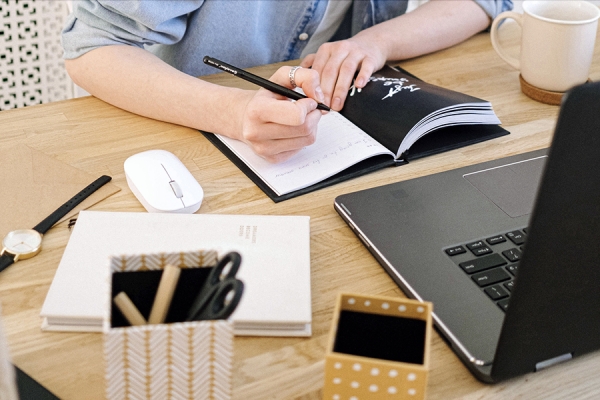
215	276
217	304
211	302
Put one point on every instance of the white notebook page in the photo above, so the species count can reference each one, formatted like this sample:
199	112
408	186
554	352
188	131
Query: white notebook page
339	145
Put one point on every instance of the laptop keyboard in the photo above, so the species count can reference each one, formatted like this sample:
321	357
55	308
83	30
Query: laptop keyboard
492	263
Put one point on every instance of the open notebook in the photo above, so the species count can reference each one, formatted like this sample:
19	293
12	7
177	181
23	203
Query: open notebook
395	118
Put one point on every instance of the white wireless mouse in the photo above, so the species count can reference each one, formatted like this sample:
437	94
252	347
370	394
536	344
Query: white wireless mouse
162	183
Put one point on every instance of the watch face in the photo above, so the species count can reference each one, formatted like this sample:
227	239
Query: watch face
24	243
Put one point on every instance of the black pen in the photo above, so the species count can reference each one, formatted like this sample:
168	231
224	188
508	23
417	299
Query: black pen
257	80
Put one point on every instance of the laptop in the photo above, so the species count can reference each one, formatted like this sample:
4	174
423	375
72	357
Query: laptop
508	251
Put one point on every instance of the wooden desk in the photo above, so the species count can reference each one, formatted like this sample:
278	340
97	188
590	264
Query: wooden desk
96	137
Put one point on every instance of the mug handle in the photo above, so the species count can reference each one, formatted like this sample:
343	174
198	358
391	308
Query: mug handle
512	61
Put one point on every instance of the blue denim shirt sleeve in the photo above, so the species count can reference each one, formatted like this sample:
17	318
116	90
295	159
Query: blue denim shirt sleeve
99	23
244	33
495	7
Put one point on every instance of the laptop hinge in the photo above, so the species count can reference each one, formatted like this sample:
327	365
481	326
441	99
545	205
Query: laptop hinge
552	361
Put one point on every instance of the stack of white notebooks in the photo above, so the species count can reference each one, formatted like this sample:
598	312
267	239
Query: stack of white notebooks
275	266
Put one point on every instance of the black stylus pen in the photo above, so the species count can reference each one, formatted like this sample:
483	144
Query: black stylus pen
257	80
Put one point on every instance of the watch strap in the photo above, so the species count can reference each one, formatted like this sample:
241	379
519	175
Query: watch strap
6	260
63	210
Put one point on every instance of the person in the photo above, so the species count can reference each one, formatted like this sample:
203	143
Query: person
145	56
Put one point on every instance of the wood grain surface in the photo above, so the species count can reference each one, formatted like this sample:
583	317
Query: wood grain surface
97	138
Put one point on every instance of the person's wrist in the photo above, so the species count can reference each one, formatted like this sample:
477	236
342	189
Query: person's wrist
379	46
238	114
224	114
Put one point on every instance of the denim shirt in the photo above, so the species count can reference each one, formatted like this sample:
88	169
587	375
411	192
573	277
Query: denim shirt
241	32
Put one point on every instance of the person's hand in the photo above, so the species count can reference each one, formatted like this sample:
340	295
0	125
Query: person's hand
337	63
277	128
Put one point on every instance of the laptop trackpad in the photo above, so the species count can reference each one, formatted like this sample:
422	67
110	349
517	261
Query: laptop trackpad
512	187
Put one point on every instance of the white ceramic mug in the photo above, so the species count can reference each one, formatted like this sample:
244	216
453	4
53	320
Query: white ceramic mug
557	42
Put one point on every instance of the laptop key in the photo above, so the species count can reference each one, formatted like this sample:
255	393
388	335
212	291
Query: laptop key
509	285
476	245
517	237
480	251
455	250
513	268
496	239
513	255
490	277
482	263
503	304
496	292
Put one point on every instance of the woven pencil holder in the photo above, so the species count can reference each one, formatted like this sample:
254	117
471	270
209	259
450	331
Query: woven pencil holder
173	360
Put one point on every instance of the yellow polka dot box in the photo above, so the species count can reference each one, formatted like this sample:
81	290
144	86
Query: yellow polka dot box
378	348
172	359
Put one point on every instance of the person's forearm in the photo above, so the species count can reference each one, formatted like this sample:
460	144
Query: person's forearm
135	80
435	25
131	78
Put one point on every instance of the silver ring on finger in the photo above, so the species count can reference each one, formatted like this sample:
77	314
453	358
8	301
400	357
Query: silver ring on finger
292	76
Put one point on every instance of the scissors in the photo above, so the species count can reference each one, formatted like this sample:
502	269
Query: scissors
221	292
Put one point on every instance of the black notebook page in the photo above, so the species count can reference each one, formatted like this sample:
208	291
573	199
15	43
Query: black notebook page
394	101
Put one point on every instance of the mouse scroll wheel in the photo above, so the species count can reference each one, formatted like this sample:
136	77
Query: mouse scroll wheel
176	189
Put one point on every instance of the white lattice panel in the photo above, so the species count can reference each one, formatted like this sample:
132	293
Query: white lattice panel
31	66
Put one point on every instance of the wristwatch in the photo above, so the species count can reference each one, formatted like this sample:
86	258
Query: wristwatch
22	244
